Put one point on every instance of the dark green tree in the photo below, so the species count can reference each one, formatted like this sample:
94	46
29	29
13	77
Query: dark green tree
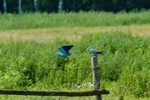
11	6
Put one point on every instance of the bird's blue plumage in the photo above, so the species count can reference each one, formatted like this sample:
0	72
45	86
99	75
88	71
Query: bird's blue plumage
64	50
95	51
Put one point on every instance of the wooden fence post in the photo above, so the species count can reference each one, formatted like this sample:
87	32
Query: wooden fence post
95	72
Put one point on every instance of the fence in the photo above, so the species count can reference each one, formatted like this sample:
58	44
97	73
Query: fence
97	92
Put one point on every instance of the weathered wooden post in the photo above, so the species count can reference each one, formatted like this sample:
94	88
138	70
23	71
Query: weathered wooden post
96	80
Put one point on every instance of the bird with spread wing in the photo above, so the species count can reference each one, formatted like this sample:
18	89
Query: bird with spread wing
95	51
64	50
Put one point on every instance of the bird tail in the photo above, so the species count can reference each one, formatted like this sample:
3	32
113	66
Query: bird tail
101	52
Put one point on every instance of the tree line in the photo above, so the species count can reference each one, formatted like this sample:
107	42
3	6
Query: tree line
19	6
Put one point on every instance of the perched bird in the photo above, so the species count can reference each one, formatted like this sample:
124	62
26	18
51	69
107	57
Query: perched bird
95	51
64	50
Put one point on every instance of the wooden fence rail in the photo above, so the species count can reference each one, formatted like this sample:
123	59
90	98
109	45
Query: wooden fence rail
53	93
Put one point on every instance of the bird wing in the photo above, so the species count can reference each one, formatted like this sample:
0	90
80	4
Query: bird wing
96	50
65	49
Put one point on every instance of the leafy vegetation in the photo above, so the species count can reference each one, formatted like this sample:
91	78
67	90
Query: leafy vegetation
81	19
34	65
30	65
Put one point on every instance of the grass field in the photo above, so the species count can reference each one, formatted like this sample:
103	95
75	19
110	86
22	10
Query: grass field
26	54
81	19
70	34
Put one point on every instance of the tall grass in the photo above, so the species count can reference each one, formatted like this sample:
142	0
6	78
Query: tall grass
24	65
81	19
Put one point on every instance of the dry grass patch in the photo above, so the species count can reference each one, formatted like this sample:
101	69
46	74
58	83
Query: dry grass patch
71	34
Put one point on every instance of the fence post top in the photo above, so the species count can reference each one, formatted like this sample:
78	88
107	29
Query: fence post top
94	56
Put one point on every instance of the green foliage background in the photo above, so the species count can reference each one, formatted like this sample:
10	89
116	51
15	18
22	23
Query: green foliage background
24	65
31	65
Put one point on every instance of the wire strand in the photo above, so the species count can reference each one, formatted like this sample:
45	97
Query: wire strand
19	69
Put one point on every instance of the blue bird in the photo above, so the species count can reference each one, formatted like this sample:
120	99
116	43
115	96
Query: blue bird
95	51
64	51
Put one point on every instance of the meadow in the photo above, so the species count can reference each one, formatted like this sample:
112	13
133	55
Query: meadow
81	19
28	59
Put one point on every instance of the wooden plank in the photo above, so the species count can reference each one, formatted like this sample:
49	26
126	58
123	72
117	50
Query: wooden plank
53	93
96	80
